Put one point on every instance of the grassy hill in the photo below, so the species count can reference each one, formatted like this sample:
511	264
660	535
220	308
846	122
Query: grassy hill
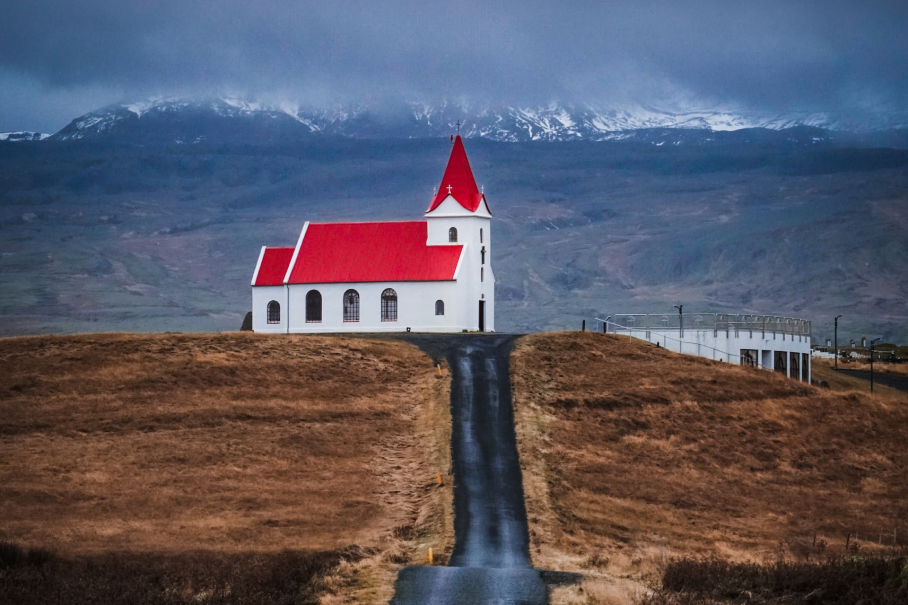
101	237
173	464
633	456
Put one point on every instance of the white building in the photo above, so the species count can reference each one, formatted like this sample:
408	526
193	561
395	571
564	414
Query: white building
433	275
781	344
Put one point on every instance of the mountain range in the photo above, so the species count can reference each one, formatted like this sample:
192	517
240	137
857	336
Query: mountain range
188	121
150	216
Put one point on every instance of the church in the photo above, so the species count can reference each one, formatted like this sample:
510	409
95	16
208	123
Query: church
433	275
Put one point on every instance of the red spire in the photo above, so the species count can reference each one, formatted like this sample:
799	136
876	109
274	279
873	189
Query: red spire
458	181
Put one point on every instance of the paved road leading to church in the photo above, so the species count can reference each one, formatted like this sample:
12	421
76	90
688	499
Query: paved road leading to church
896	381
490	562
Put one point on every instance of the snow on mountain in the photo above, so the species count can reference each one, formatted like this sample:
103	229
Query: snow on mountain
15	137
185	120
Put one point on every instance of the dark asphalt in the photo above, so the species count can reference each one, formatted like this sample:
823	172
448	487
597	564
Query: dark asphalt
491	561
890	380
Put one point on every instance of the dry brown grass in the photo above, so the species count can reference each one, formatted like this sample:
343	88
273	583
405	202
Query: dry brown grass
878	366
225	443
632	455
823	369
888	368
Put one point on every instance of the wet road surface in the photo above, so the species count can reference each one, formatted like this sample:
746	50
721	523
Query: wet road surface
490	562
896	381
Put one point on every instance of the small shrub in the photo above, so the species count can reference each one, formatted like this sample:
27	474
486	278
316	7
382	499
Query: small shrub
880	580
293	577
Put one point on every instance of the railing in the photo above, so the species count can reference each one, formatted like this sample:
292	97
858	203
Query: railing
677	345
717	322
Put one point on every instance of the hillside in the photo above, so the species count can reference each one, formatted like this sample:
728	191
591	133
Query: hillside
632	455
100	237
234	447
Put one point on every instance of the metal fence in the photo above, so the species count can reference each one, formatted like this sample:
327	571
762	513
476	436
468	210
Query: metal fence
675	344
716	322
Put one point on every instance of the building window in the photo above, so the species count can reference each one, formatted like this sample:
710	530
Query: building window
389	305
274	312
313	307
351	305
482	274
749	357
480	236
483	255
452	235
664	321
439	307
780	364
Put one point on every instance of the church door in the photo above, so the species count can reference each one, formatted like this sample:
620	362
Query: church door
482	316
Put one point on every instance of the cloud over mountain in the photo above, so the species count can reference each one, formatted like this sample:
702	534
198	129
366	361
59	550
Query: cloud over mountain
769	56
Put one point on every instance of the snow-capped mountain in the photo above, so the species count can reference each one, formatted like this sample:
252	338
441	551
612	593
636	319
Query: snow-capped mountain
193	121
16	137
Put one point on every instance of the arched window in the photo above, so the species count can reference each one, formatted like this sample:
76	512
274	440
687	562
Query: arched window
313	307
483	254
480	236
664	321
274	312
439	307
351	305
389	305
631	322
452	235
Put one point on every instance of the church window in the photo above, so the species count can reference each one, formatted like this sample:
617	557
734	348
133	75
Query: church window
274	312
480	236
313	306
351	305
439	307
482	274
452	235
389	305
483	255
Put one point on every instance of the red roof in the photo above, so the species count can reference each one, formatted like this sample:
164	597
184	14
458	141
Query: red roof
458	181
370	252
274	267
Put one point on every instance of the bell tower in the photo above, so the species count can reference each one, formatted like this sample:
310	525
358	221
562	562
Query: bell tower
459	215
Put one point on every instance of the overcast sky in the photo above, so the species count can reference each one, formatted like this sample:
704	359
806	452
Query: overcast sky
61	58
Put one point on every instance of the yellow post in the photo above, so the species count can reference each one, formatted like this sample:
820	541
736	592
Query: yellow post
439	478
439	369
430	556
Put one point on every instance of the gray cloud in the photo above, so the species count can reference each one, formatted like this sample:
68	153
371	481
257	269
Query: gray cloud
57	56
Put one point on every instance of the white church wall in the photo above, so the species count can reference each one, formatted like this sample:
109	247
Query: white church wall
475	279
415	307
261	296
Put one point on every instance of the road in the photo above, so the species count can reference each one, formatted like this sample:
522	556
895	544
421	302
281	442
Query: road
896	381
490	562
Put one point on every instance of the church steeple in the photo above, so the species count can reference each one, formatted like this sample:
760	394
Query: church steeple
458	181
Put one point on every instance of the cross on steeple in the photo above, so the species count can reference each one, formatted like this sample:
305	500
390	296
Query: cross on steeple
458	126
449	190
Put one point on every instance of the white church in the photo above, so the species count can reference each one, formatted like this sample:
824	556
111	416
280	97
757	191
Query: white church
433	275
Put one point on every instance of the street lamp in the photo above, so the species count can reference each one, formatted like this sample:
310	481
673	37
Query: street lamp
681	316
837	342
871	363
